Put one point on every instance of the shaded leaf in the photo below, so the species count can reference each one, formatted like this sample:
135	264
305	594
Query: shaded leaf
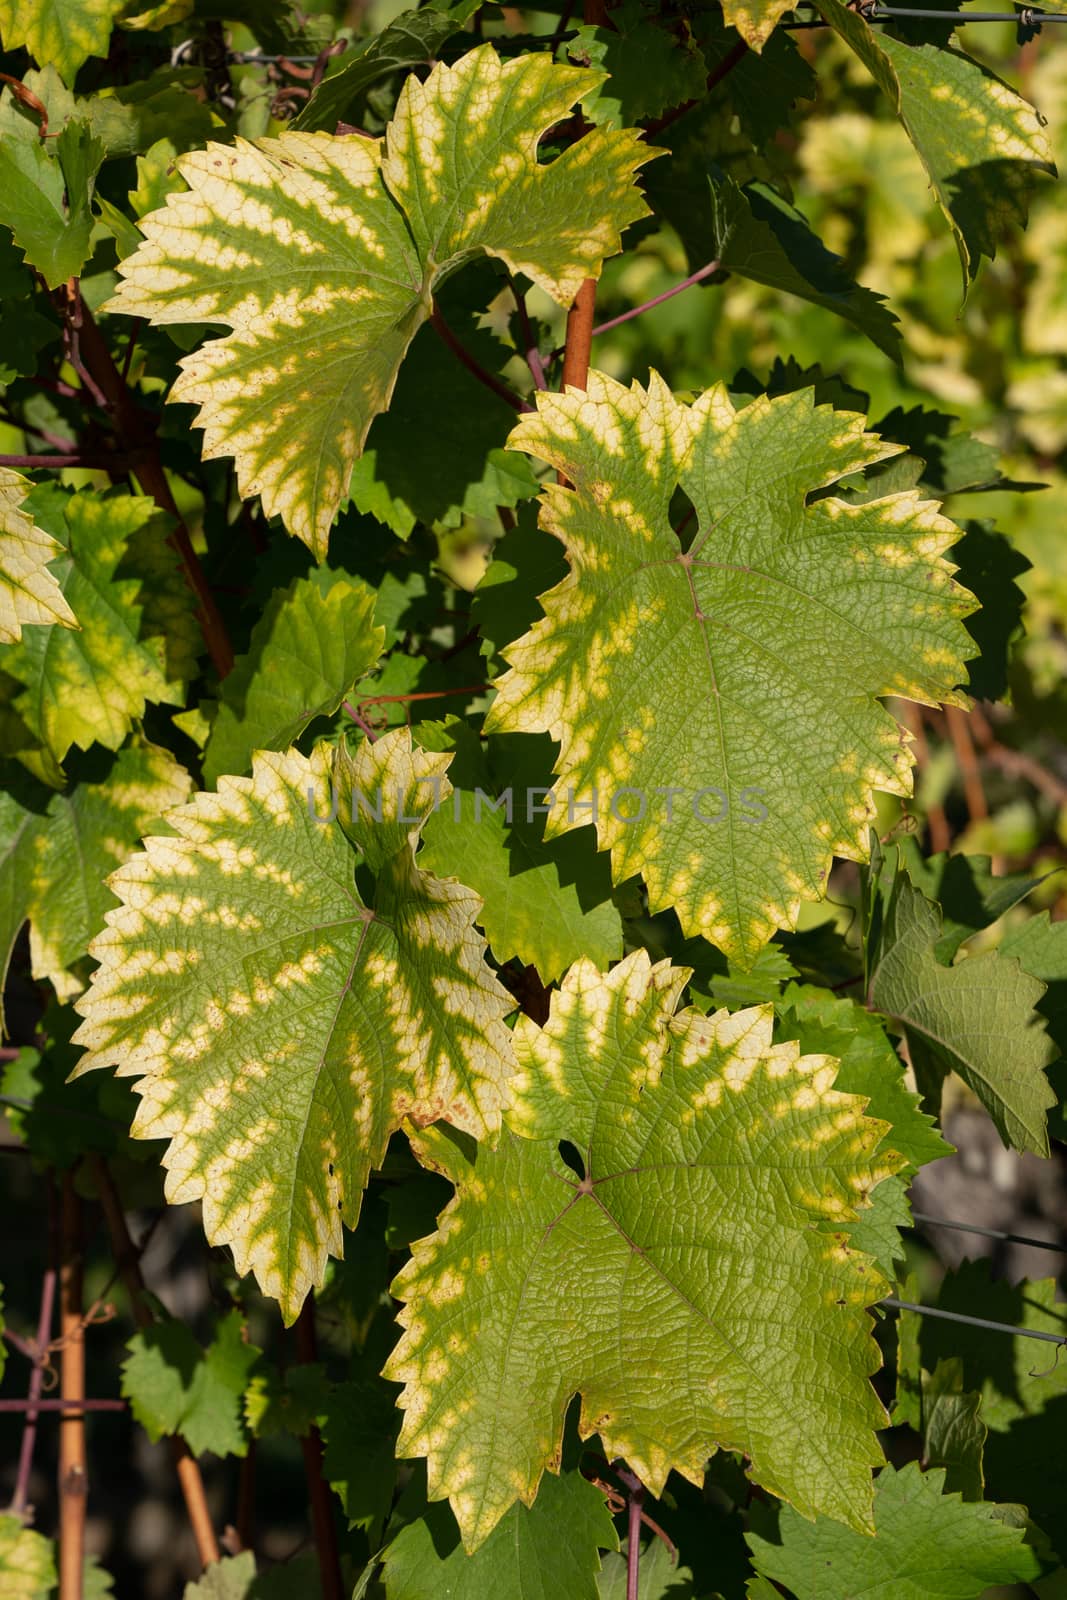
756	233
46	190
56	852
88	685
928	1545
977	1019
981	144
550	1549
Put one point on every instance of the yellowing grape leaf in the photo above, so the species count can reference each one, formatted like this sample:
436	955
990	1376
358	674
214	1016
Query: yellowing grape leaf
322	254
983	146
280	1027
56	852
755	22
27	1564
719	704
63	33
688	1285
28	591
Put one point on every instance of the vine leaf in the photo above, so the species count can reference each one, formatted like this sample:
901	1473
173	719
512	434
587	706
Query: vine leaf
46	191
57	850
977	1019
927	1544
953	1429
720	704
981	144
27	1563
281	1028
86	686
685	1285
408	41
310	645
756	233
28	591
552	1548
755	23
63	33
312	358
176	1387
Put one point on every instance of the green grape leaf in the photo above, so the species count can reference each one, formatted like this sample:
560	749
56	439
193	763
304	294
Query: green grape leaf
27	1563
63	33
648	67
953	1431
176	1387
289	1027
719	704
928	1545
289	1402
825	1023
549	1549
312	360
29	592
659	1578
754	232
685	1286
359	1428
235	1577
312	642
46	190
981	144
546	903
232	1578
56	852
1022	1383
89	685
970	894
410	39
988	566
977	1018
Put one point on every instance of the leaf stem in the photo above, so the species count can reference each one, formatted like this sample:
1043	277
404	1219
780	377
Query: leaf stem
129	1266
474	367
73	1483
658	299
635	1493
321	1501
531	354
21	1498
94	463
136	429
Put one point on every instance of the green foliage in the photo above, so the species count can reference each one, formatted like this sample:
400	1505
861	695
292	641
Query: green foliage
926	1544
175	1387
465	904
